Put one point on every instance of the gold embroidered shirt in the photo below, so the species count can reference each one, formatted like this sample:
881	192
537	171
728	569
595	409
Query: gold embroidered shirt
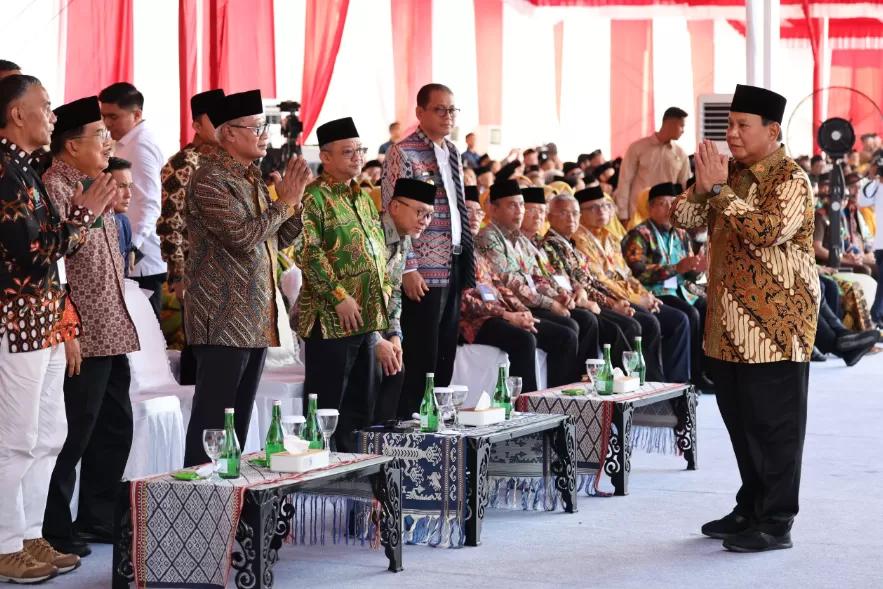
763	289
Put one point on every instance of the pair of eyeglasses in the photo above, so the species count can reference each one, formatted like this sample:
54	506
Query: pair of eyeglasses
533	212
103	135
594	208
258	131
571	214
421	214
442	111
351	153
478	213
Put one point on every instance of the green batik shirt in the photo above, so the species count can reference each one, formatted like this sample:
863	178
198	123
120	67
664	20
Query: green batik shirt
397	248
341	252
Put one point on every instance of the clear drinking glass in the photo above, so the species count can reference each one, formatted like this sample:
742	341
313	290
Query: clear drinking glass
213	441
293	425
593	365
515	385
327	420
443	401
458	398
628	362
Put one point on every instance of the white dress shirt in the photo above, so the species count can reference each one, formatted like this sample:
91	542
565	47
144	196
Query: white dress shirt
140	147
443	157
871	195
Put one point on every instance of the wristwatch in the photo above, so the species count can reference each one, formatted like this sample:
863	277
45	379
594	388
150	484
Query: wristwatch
716	189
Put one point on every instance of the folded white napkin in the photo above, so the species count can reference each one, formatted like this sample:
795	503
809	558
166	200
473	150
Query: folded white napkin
295	445
484	402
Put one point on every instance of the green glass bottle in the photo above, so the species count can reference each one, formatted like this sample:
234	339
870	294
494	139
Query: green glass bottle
231	456
275	442
502	397
428	407
640	367
605	375
311	432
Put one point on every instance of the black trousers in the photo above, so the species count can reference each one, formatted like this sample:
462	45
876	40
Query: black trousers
387	407
558	341
225	377
153	283
764	409
587	327
695	315
187	375
345	374
830	294
431	330
99	433
828	329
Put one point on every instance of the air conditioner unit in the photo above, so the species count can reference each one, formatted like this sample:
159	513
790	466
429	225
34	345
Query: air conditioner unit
489	139
714	111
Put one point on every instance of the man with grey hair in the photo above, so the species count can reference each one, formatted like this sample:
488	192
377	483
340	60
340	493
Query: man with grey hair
230	273
36	317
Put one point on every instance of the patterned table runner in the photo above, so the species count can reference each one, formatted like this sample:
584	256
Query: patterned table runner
593	415
183	531
434	476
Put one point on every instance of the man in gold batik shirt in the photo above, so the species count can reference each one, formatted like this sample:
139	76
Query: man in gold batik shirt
763	300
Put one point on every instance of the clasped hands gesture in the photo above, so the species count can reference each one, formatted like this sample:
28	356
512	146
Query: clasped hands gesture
711	167
290	186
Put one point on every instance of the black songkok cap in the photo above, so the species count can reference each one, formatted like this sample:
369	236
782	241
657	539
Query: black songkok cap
602	168
664	189
589	194
234	106
472	193
534	194
824	177
595	153
202	103
506	171
568	167
336	130
482	170
759	101
504	188
415	189
76	114
372	164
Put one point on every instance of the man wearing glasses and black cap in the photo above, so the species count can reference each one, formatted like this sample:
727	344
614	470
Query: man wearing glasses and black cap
172	225
235	231
763	303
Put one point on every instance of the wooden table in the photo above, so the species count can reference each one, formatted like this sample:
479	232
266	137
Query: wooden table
265	520
604	424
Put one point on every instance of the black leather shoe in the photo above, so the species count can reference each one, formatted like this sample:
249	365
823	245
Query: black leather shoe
856	340
757	541
817	355
95	535
723	528
852	357
703	383
70	546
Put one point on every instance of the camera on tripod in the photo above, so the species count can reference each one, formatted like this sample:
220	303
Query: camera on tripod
292	127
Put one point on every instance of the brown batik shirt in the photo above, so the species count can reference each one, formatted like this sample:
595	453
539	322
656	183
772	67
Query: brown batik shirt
763	289
94	274
172	224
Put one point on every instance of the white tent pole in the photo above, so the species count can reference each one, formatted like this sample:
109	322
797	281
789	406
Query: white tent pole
771	22
754	38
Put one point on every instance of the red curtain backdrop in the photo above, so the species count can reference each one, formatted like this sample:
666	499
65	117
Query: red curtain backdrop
489	57
411	55
324	29
631	85
188	53
860	70
559	58
239	46
702	55
99	49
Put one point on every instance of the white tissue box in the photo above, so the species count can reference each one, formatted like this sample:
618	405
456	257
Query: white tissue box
626	384
309	460
482	416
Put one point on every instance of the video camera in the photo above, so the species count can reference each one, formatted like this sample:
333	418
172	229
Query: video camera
292	127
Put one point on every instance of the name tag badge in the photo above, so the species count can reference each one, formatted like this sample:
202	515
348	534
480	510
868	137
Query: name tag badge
671	282
487	293
563	282
62	275
530	282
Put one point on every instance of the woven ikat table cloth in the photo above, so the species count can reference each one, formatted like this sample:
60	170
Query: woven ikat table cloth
659	417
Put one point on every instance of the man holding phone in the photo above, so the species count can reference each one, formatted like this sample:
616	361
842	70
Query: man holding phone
96	386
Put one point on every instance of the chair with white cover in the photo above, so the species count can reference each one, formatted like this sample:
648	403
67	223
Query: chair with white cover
475	366
152	376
